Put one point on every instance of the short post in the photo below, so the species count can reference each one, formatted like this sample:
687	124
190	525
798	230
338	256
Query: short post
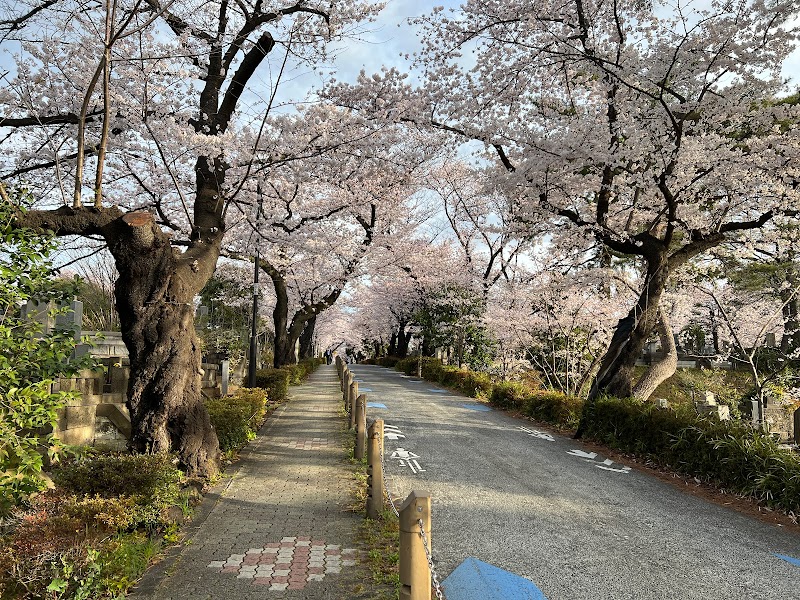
346	380
352	403
415	574
375	484
361	426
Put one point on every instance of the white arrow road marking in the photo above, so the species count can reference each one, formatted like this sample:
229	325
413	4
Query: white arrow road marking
413	465
387	426
402	453
415	468
624	469
393	435
538	434
408	459
582	454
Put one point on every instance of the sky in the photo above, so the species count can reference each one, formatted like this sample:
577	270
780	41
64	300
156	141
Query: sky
391	36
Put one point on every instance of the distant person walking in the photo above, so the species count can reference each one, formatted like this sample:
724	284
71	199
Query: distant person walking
328	356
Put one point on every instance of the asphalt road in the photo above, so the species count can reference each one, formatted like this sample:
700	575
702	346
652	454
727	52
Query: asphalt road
579	527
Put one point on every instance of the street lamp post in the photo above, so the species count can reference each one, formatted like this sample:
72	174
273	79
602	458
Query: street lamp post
253	357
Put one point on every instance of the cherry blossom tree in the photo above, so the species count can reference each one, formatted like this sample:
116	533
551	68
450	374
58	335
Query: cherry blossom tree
325	214
482	220
165	103
657	134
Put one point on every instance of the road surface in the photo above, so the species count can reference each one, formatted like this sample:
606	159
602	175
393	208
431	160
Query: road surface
578	525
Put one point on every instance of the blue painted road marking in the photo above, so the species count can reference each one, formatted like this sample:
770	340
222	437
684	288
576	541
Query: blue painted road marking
476	580
364	390
375	405
477	407
437	391
788	559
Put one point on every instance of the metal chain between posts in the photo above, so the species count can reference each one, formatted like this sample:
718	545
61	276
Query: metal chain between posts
434	576
386	488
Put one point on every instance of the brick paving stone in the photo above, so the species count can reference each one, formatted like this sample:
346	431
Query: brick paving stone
279	524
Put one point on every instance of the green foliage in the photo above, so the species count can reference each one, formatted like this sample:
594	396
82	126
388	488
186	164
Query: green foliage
299	372
469	383
275	381
226	327
450	318
152	482
237	418
30	362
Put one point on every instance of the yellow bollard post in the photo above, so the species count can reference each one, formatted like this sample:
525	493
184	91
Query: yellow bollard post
361	426
415	574
346	380
375	484
352	401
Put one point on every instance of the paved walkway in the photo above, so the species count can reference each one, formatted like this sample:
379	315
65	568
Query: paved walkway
281	527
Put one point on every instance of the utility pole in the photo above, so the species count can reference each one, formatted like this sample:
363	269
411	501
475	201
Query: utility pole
253	357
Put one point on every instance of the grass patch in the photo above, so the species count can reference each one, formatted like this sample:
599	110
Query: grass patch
382	536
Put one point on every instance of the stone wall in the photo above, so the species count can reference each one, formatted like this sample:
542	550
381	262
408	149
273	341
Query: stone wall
99	416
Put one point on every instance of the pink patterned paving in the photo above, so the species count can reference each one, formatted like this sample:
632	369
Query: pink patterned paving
289	564
312	444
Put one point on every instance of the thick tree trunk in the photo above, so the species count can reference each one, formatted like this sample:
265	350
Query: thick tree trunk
156	313
403	340
154	297
615	376
285	350
307	339
393	344
662	369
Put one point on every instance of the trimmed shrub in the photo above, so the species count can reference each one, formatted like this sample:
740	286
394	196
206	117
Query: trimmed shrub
303	369
469	383
237	418
509	395
152	481
554	407
257	400
548	406
409	366
275	381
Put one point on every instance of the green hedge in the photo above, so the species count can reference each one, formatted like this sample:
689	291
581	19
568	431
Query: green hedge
731	453
543	405
236	418
299	372
469	383
275	381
